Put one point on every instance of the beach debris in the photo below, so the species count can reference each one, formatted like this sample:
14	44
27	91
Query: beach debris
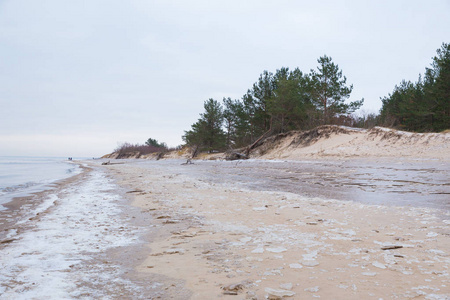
163	217
7	241
278	293
175	251
235	288
391	247
106	163
135	191
235	156
188	162
232	289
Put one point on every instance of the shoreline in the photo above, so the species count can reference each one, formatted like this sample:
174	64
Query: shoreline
20	206
200	232
222	240
74	242
36	188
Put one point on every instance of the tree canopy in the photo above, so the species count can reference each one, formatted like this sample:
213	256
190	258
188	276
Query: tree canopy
293	100
155	143
329	90
207	132
424	105
277	102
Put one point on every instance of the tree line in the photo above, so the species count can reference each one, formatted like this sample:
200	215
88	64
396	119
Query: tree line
294	100
277	102
424	105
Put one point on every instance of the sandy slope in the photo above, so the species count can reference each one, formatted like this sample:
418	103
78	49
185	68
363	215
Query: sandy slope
224	241
334	142
345	142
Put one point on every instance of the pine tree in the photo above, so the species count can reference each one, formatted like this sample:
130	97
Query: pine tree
289	106
207	132
329	91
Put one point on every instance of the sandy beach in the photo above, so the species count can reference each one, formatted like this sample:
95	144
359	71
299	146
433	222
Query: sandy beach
212	239
303	223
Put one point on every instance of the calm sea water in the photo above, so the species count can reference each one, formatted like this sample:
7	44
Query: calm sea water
20	176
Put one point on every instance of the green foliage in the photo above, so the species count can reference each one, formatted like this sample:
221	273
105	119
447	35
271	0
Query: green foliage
424	105
256	104
155	143
329	91
277	102
236	123
290	105
207	132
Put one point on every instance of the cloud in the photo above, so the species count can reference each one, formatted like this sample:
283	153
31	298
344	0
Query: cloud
130	70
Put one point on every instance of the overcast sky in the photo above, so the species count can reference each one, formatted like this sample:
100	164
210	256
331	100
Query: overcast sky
79	77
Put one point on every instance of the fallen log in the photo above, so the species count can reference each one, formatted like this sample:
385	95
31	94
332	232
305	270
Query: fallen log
250	148
235	156
391	247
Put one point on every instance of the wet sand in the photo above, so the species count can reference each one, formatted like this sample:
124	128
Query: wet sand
70	242
225	233
236	230
20	208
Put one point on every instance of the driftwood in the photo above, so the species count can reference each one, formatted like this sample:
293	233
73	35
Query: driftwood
107	163
235	156
391	247
194	154
250	148
188	162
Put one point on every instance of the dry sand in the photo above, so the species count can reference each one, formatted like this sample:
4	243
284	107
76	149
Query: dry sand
338	142
209	240
219	240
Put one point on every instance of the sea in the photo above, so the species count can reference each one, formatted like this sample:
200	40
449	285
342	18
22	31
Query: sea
21	175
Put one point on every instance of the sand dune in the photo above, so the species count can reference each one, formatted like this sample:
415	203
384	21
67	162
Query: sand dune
346	142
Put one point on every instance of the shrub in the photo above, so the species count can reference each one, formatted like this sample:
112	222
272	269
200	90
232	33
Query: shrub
142	149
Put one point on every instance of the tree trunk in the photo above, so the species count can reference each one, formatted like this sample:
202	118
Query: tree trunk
249	148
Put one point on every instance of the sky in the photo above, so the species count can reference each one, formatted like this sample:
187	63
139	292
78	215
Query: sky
77	78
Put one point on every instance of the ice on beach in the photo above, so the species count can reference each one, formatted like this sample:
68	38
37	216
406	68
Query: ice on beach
378	265
258	250
432	234
310	263
276	249
261	208
295	266
45	260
